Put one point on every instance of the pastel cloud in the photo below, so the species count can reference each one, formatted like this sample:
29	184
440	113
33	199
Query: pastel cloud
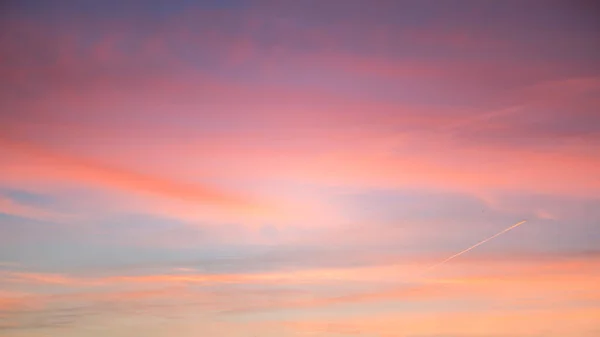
65	167
101	90
529	285
282	168
8	206
519	323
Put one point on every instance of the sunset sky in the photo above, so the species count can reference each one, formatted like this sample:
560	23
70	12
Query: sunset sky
281	168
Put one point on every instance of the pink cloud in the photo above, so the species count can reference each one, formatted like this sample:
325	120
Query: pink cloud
11	207
74	168
443	162
263	123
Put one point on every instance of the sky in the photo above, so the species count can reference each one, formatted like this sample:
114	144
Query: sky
293	168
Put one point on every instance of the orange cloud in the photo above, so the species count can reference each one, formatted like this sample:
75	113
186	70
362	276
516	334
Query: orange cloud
518	323
61	165
498	276
525	287
510	282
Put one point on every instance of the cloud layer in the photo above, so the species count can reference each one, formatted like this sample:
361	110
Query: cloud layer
288	168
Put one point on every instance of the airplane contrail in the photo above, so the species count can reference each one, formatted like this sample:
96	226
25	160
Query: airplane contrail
384	293
476	245
380	294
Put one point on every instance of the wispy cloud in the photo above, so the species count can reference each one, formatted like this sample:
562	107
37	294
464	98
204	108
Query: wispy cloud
269	168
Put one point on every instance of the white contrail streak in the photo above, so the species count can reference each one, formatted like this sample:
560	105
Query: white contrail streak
476	245
391	293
